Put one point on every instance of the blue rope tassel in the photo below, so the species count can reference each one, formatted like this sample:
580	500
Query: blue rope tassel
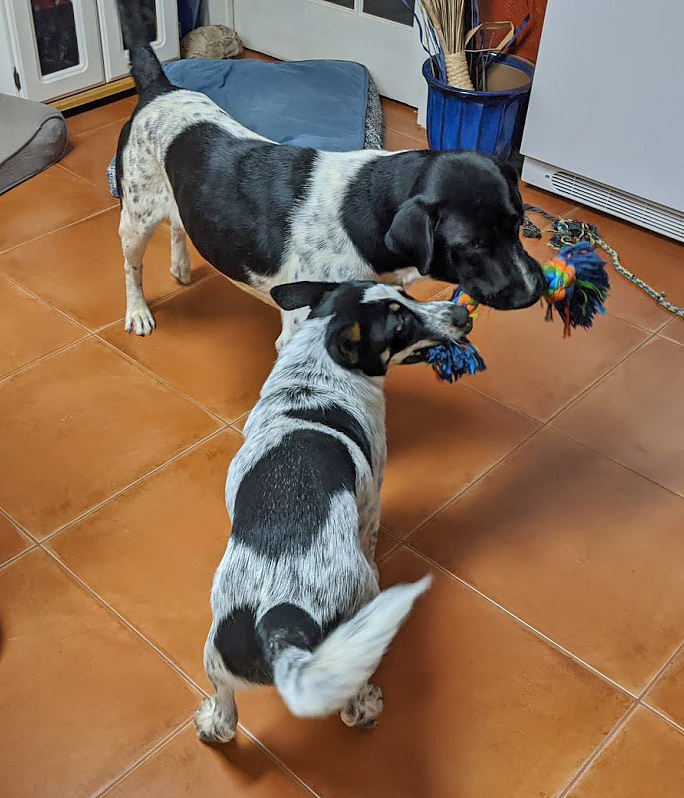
452	362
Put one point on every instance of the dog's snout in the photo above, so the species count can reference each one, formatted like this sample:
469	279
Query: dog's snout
460	317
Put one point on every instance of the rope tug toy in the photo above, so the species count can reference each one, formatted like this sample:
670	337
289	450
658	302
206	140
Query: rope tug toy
577	288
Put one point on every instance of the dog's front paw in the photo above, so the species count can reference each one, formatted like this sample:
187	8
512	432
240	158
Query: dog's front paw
211	725
182	273
139	320
364	710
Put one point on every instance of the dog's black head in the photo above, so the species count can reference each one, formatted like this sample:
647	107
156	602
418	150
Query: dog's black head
373	326
462	227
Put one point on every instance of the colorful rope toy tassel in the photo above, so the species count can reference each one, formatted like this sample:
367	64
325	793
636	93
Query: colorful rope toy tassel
577	288
452	362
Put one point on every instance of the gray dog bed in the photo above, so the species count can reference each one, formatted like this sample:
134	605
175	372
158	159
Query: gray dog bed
33	136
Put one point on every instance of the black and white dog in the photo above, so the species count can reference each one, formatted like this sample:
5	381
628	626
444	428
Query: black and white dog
266	214
295	600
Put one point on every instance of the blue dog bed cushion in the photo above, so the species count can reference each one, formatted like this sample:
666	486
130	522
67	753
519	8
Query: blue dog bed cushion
328	105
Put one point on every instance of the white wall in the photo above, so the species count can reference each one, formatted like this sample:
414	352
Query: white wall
217	12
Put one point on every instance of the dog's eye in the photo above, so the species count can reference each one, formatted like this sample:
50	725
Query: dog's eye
477	244
395	307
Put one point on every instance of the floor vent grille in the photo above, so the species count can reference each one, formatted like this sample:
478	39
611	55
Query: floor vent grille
633	209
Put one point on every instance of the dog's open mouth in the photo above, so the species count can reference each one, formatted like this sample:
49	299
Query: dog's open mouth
421	355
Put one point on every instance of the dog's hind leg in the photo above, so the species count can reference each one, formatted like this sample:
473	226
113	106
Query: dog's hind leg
216	718
363	710
134	236
369	523
180	257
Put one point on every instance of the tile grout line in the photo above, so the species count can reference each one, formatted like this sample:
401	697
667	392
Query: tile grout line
411	533
12	279
73	136
37	361
82	177
661	671
18	556
277	761
665	337
579	396
539	634
190	682
616	462
662	716
176	668
159	379
148	755
58	229
180	289
574	399
91	510
596	753
19	526
501	402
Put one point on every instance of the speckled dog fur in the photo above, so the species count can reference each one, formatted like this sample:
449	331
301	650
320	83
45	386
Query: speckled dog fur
295	599
265	214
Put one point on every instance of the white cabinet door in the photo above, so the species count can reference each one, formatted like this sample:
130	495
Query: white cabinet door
56	46
378	33
162	20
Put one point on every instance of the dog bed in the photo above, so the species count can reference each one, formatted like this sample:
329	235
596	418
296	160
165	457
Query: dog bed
328	105
33	136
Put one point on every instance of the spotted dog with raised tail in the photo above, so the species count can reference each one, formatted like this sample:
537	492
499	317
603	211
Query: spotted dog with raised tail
295	599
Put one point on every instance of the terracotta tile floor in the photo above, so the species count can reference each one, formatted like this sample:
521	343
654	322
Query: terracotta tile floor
546	495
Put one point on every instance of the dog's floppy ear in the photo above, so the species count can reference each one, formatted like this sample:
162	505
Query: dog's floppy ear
509	171
344	344
412	234
290	296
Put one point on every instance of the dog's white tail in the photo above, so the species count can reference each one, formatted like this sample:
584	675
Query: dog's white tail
316	683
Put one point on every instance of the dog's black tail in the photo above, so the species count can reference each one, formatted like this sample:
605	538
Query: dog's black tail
146	70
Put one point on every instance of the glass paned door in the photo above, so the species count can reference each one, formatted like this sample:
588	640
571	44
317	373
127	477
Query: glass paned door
54	27
391	9
149	15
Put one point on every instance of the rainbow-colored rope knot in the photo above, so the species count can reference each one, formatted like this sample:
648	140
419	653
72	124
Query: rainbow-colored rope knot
560	279
577	286
461	298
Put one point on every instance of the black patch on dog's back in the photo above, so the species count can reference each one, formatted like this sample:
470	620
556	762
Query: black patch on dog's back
283	502
236	196
337	418
371	198
241	649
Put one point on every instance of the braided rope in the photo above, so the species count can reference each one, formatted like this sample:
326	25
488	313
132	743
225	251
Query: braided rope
569	231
